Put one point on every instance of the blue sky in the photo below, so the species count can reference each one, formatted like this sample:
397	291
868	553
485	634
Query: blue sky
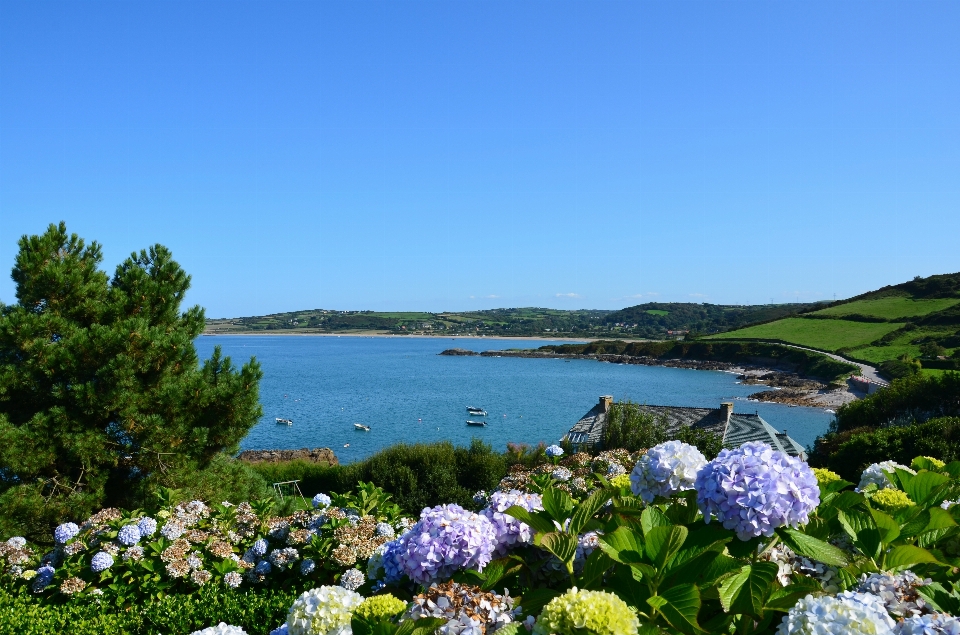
477	154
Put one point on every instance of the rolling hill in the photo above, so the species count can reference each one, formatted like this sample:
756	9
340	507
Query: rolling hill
915	320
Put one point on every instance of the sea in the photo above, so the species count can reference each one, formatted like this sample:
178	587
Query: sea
406	392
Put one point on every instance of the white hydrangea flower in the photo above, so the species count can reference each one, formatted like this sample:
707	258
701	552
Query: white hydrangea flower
221	629
845	614
875	474
897	591
323	611
665	469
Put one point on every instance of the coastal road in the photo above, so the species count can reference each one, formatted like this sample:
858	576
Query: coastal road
869	372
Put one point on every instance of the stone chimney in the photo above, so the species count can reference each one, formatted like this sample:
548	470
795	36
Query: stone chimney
605	402
726	409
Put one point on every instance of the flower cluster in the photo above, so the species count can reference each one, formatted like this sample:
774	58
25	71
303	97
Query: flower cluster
510	532
446	539
933	624
221	629
898	592
891	500
843	614
666	469
825	476
554	451
877	473
379	607
468	610
579	611
790	563
320	611
754	489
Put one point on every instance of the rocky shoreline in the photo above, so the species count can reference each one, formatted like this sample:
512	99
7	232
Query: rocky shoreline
787	387
316	455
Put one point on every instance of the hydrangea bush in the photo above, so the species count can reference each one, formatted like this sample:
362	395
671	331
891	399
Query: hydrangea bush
754	541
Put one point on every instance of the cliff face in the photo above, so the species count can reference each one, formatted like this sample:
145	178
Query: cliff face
316	455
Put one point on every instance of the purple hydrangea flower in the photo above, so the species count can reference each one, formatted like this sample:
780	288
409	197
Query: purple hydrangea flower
446	539
754	489
101	561
390	561
147	526
510	532
43	578
321	500
259	547
65	532
554	451
129	535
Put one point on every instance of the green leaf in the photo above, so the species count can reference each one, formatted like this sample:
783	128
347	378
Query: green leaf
596	565
813	548
537	522
941	599
586	510
534	600
563	546
623	545
862	529
497	570
907	555
901	478
952	468
653	517
513	628
785	598
730	587
422	626
921	485
681	608
558	504
663	542
888	527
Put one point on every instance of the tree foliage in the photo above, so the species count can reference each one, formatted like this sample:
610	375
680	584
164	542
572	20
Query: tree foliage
102	396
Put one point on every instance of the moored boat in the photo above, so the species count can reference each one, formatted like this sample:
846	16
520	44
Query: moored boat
476	423
285	422
360	426
477	412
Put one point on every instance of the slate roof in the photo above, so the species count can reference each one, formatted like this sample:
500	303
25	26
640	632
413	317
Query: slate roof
736	428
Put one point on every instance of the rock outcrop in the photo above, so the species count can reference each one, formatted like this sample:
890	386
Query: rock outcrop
459	351
316	455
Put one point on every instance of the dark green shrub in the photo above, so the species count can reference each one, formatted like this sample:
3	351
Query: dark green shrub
630	428
900	368
915	398
849	453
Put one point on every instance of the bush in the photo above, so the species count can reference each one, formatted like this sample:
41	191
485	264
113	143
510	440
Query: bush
630	428
849	453
257	612
915	398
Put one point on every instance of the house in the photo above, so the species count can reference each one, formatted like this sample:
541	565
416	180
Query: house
735	428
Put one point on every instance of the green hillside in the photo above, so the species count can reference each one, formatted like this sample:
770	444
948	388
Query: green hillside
892	326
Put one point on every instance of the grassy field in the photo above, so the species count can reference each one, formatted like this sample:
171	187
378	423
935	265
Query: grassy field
828	335
657	312
891	308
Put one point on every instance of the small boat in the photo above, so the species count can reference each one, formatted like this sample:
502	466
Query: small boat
476	423
285	422
478	412
360	426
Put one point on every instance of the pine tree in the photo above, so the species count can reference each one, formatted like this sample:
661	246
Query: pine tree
102	396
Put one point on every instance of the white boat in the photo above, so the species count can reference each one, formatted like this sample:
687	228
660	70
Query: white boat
479	412
360	426
285	422
476	423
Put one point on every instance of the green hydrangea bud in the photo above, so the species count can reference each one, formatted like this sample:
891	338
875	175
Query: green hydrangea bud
594	612
379	607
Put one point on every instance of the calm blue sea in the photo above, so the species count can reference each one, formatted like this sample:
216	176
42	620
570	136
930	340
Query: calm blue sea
405	392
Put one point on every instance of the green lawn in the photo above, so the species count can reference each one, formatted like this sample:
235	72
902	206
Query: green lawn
827	335
893	308
657	312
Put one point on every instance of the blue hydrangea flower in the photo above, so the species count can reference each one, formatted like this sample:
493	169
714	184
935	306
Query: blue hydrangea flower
446	539
754	489
43	578
666	469
352	579
933	624
554	451
385	529
17	542
259	547
65	532
263	568
129	535
307	566
147	526
510	532
172	529
101	561
845	614
320	501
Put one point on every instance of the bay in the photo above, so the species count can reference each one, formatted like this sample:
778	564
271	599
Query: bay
406	392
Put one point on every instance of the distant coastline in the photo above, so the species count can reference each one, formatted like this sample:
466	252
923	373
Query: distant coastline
531	338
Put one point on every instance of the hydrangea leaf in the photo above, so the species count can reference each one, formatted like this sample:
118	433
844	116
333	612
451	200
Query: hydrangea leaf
423	626
661	543
952	468
558	504
862	529
563	546
813	548
653	517
596	565
534	600
905	556
586	510
889	528
747	591
920	486
538	522
623	545
783	599
940	598
681	607
497	570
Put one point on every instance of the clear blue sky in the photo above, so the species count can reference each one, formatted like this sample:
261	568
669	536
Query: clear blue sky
477	154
